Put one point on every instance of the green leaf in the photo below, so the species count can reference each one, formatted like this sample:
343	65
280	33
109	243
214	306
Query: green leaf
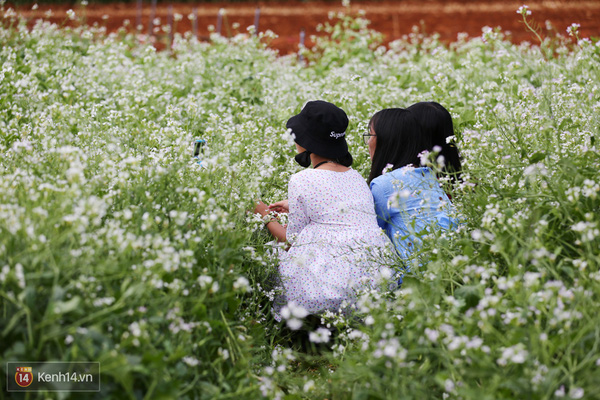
537	157
65	307
13	321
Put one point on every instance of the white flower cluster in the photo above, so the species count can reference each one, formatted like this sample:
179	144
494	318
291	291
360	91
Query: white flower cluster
514	354
524	10
321	335
293	314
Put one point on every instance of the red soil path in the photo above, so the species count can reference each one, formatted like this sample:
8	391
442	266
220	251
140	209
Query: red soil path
392	18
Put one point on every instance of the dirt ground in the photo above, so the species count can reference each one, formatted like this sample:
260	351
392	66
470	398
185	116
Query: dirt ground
287	19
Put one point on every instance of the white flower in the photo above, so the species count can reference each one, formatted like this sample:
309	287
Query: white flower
440	161
4	273
476	234
385	273
242	284
449	385
524	10
135	329
192	362
432	334
294	324
576	393
321	335
515	354
293	310
424	157
223	353
535	170
573	29
369	320
397	197
19	145
474	343
204	281
308	386
20	275
388	167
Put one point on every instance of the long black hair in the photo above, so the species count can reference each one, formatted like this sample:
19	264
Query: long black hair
436	122
399	140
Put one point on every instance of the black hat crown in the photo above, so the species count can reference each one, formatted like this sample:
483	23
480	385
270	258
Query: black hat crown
321	129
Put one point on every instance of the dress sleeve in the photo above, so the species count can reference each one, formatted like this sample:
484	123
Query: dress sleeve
380	198
298	217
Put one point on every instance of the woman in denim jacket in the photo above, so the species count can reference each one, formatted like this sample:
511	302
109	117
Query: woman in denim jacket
409	200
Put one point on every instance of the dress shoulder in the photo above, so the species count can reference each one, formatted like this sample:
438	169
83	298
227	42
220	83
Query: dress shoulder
300	176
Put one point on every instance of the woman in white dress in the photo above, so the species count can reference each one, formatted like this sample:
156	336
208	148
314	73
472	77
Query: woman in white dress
336	247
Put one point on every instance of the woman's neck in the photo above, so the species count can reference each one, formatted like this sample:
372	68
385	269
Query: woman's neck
327	164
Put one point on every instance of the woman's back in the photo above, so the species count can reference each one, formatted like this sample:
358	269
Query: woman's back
410	202
338	199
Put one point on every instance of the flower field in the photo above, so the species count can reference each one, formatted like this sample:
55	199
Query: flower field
117	246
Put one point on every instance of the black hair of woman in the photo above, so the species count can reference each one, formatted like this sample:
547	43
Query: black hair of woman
398	140
436	122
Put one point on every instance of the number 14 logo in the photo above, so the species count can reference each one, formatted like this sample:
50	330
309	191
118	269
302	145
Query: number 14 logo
24	376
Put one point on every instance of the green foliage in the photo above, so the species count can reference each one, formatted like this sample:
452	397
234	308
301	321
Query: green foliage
117	246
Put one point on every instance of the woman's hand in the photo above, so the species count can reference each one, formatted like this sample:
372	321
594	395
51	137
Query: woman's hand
278	231
261	208
280	207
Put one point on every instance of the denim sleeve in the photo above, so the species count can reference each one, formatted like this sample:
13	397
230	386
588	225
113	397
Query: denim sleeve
380	198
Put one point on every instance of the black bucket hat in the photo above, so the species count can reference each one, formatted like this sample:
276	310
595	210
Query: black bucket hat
321	129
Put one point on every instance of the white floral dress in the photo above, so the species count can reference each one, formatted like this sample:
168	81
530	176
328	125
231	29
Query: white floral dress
337	248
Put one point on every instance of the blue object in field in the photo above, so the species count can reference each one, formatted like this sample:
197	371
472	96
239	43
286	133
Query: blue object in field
198	144
401	276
